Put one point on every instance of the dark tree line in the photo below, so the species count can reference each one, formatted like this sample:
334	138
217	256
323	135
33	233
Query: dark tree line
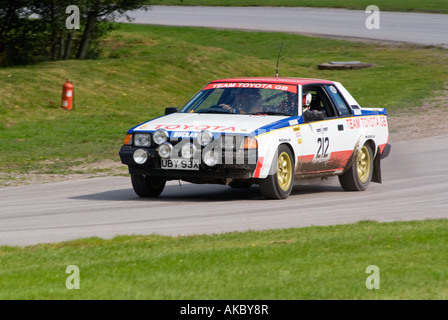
35	30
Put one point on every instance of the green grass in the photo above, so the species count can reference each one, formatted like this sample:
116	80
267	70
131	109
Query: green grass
147	68
307	263
435	6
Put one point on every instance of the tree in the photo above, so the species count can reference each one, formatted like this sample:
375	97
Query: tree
98	11
35	30
52	12
20	36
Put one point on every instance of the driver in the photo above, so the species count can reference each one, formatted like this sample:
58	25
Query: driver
245	101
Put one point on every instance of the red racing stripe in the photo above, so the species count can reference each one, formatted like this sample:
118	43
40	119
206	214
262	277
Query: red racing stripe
338	160
258	168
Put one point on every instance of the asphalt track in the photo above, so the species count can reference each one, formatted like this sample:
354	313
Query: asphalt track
415	187
418	28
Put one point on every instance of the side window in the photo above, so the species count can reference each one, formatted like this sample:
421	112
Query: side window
339	102
320	101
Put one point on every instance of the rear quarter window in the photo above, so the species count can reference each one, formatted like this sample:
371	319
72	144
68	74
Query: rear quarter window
341	105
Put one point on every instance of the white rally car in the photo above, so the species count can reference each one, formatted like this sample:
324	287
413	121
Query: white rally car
265	131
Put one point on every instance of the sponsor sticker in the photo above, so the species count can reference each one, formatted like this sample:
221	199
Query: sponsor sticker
333	89
184	134
293	122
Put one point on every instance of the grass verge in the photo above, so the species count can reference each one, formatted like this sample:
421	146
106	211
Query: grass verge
148	68
307	263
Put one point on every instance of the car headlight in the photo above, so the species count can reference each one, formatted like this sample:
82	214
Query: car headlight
142	140
165	150
160	136
205	137
210	157
188	150
140	156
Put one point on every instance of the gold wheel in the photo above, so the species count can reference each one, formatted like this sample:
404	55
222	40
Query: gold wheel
279	183
363	164
284	171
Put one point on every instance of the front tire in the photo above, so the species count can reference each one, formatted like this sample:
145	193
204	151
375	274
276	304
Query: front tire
279	184
147	187
358	177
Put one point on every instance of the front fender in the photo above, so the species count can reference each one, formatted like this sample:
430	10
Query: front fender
268	145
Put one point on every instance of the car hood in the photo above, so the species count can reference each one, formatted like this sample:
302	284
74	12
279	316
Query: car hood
195	122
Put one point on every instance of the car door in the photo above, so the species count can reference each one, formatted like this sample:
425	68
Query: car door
325	149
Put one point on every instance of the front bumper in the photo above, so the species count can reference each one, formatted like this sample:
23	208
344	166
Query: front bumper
219	173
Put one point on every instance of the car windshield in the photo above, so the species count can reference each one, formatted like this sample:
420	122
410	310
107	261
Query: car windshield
245	98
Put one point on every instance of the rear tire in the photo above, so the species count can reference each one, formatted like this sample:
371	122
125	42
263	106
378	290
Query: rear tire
358	177
147	187
279	184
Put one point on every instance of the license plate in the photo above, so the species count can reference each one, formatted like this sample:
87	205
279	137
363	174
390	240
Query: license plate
180	164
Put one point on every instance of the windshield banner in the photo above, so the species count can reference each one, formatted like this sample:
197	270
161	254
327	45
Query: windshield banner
273	86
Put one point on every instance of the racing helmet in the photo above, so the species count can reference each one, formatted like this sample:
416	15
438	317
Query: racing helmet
307	97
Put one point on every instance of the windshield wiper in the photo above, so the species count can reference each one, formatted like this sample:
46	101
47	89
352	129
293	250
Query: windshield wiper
273	113
213	111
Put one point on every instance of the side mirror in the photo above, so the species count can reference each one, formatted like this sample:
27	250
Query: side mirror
171	110
313	115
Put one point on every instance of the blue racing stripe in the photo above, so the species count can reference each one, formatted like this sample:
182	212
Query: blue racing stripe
279	124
